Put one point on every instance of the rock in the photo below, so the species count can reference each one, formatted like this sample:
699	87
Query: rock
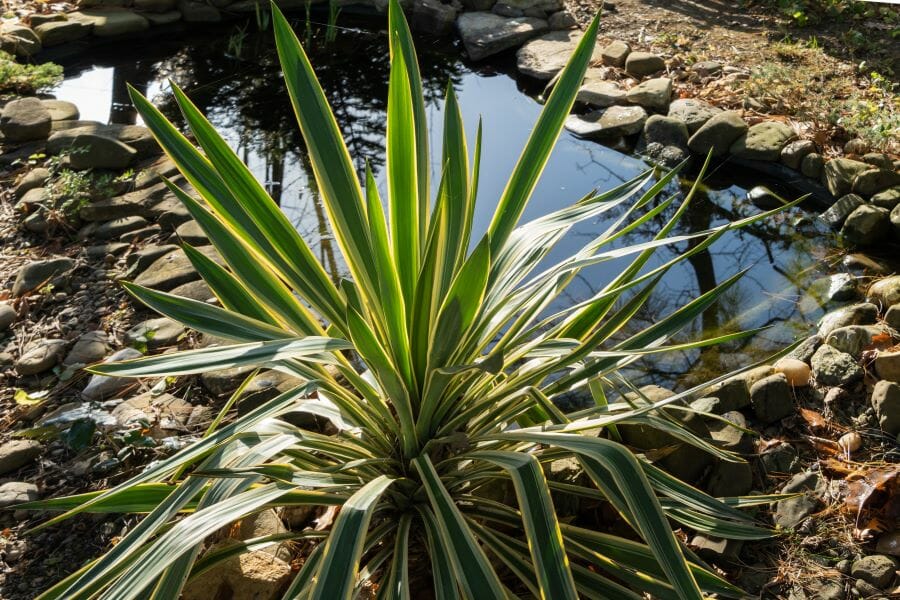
643	63
891	317
804	351
824	589
36	19
225	381
562	19
90	151
163	18
838	212
888	199
666	131
653	94
172	270
615	54
33	180
868	183
41	356
733	394
485	34
432	16
729	479
110	22
115	228
718	134
40	273
198	12
545	56
24	120
771	398
16	454
832	367
731	437
101	387
867	225
796	372
794	153
61	110
861	264
886	402
608	123
262	524
764	198
667	156
707	68
790	512
26	41
856	146
8	316
763	141
853	339
195	290
90	347
877	570
812	165
601	94
878	159
253	575
155	6
155	333
191	233
839	174
781	458
889	543
885	291
141	259
60	32
17	492
716	549
856	314
694	113
162	416
135	136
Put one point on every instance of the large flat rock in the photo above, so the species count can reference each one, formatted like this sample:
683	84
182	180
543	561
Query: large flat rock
484	34
545	56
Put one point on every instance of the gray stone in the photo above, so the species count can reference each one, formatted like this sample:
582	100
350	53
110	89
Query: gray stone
8	316
888	199
838	212
257	574
116	227
718	134
853	339
600	94
172	270
667	156
36	19
694	113
644	63
37	274
137	137
764	198
17	492
89	348
729	479
432	16
892	317
199	12
794	153
225	381
192	233
832	367
141	259
812	165
781	458
653	94
885	291
90	151
155	333
867	225
485	34
24	120
615	53
806	349
790	512
562	19
608	123
864	313
731	435
163	18
707	68
110	22
195	290
839	174
61	110
886	402
545	56
34	179
734	392
161	416
868	183
716	549
55	33
101	387
763	141
856	146
771	398
825	589
16	454
25	41
40	357
879	160
877	570
666	131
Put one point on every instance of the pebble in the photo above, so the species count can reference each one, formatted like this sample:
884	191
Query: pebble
17	492
850	442
833	367
795	371
17	453
771	398
8	316
42	356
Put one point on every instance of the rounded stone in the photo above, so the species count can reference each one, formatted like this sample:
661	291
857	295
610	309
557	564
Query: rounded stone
867	225
877	570
644	63
763	141
25	120
8	316
796	372
718	134
40	357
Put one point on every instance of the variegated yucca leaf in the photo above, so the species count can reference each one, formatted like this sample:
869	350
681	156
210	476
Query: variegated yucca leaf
439	361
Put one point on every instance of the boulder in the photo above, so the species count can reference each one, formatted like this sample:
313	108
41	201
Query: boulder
157	19
560	20
172	270
609	123
864	313
885	291
763	141
615	53
771	399
729	479
24	120
600	94
693	113
853	339
195	290
867	225
641	64
61	110
432	16
254	575
115	228
868	183
17	492
135	136
26	42
37	274
842	208
485	34
545	56
33	179
812	165
8	316
877	570
154	6
110	22
794	153
886	402
888	199
18	453
40	357
666	131
707	68
780	458
839	174
90	151
55	33
832	367
141	259
730	435
652	94
718	134
191	233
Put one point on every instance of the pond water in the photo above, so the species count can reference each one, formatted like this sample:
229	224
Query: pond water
233	76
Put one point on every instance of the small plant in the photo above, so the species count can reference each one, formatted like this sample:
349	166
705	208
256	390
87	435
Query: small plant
263	17
27	79
331	29
236	42
437	365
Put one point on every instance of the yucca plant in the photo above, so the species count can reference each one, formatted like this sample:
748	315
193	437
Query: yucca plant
438	363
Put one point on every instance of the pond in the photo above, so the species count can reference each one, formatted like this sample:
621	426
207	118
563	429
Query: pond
234	78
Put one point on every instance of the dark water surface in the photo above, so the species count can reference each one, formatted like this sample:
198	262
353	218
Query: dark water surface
241	91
